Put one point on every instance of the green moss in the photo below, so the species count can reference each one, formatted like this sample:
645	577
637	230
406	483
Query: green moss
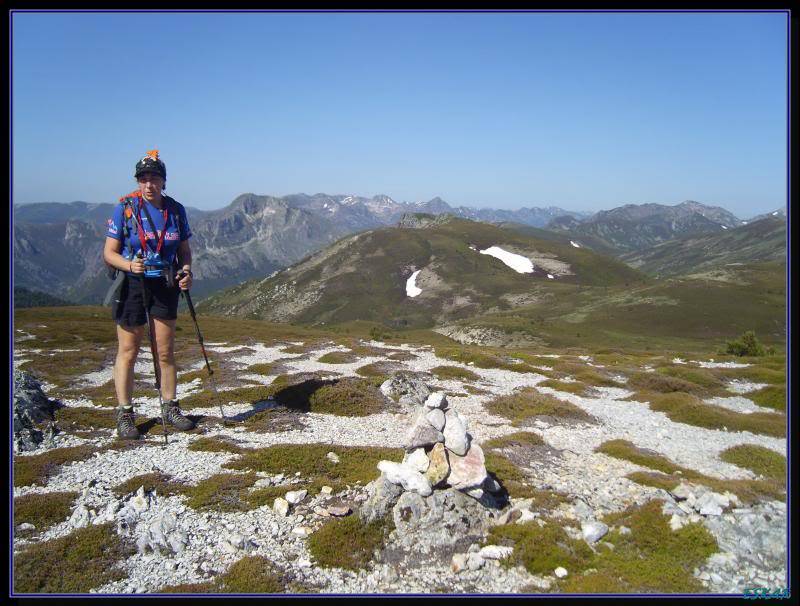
209	444
381	370
337	357
476	391
479	359
402	356
221	492
266	496
294	349
773	396
262	368
356	464
584	374
43	510
75	563
542	549
346	543
454	372
655	479
686	408
758	459
36	469
650	559
160	483
748	491
348	397
527	402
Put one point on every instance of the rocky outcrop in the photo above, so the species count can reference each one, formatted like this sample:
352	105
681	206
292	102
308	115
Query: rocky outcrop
32	408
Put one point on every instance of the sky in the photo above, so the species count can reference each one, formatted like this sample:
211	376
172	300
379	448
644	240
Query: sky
585	111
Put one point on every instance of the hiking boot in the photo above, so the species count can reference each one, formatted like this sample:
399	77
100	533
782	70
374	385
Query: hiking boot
126	428
174	416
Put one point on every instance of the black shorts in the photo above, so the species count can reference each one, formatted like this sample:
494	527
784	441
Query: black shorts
128	309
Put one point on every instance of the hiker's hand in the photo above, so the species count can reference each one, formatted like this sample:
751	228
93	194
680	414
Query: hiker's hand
185	279
137	265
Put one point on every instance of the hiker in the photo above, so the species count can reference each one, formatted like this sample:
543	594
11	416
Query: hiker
155	262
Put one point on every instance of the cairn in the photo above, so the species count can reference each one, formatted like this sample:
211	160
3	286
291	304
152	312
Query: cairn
440	493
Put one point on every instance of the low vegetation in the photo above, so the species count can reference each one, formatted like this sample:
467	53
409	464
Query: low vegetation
213	444
454	372
338	357
773	396
652	558
748	491
43	510
689	409
577	387
75	563
346	543
761	461
36	469
221	492
156	482
526	403
356	464
348	397
251	574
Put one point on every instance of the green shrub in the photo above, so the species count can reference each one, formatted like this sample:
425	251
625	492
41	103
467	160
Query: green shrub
252	574
346	543
348	397
746	345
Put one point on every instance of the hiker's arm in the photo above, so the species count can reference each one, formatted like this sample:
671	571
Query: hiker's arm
185	255
111	256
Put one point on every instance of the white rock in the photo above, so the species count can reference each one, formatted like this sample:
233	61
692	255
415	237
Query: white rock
676	522
455	434
326	490
526	515
80	517
436	418
332	457
437	399
409	478
593	531
475	561
459	562
281	507
417	459
26	526
302	531
227	547
496	552
295	496
467	471
560	572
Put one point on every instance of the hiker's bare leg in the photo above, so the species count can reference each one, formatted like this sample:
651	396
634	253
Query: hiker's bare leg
128	338
165	350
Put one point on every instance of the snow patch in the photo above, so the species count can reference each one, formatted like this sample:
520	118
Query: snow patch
411	285
518	263
575	244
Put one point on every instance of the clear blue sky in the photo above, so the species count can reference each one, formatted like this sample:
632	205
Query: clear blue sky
583	111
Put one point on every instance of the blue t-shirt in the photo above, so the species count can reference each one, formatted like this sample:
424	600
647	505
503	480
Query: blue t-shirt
177	230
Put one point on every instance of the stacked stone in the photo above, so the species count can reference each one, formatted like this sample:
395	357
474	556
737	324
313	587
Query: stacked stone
440	453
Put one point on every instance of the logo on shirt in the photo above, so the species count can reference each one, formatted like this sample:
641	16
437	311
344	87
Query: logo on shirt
112	227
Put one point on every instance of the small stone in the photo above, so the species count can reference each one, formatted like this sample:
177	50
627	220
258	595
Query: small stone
436	418
439	468
409	478
26	526
417	459
496	552
339	510
456	439
281	507
437	399
326	490
295	496
474	561
593	531
227	547
459	562
332	457
676	522
301	531
467	471
423	434
560	572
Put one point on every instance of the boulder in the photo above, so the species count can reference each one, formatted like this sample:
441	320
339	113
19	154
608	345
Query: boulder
281	507
406	388
31	407
423	434
437	399
435	417
381	496
417	459
593	531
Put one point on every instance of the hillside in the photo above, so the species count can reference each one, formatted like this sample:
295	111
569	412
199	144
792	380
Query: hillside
365	277
763	240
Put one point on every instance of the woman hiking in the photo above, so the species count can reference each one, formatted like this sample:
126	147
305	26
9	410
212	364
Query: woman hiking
148	239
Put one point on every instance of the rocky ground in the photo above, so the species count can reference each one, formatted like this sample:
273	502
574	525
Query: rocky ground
178	545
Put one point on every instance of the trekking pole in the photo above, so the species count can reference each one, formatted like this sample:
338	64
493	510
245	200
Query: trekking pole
156	369
192	313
